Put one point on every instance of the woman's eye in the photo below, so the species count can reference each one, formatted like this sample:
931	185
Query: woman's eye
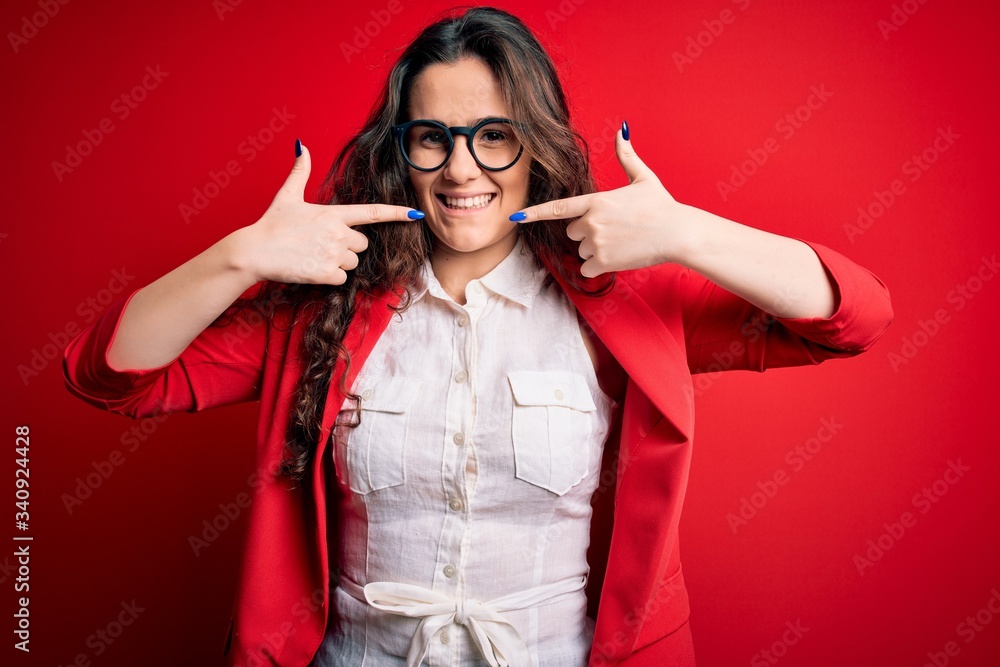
494	136
433	138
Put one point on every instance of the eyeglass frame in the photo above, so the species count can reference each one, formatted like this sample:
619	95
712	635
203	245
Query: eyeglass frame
458	130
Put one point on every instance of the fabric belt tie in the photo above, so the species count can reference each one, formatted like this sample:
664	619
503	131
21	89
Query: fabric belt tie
496	638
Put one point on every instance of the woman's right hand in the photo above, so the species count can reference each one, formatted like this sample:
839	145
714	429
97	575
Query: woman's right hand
298	242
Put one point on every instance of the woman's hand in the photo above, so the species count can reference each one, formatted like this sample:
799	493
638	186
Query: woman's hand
632	227
641	225
298	242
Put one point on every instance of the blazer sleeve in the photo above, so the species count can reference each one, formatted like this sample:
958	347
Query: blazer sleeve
222	365
725	332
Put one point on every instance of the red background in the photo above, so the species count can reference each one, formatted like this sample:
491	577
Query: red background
792	562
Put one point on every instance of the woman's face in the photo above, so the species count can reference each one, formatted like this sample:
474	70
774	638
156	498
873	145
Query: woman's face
462	94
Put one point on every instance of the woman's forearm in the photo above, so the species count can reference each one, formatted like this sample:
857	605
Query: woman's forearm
780	275
163	317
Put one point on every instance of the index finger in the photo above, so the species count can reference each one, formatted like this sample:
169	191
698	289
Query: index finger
364	214
571	207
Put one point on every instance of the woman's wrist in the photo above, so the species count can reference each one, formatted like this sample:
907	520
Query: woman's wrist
685	235
236	252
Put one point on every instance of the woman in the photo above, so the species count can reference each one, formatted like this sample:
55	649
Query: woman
444	354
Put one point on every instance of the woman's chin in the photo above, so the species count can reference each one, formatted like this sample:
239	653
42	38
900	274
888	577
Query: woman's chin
472	240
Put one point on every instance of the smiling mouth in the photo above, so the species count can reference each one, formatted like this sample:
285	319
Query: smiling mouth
467	203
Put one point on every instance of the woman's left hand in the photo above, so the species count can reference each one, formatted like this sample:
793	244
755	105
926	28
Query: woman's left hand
631	227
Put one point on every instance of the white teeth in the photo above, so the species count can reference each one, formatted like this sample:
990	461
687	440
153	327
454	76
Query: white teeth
479	201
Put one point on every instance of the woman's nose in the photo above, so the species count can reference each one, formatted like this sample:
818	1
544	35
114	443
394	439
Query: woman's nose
461	166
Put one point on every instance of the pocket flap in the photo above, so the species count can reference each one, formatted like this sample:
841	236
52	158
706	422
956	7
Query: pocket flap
563	388
388	394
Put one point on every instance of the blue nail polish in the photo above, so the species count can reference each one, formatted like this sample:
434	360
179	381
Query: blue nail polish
625	130
520	216
415	215
298	148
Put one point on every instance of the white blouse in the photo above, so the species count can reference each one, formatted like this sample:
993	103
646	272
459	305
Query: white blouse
465	492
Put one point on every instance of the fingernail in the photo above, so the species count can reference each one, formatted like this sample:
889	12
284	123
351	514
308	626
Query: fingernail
298	148
520	216
415	215
625	130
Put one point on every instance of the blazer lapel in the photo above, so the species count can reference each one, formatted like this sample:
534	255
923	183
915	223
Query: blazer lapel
644	346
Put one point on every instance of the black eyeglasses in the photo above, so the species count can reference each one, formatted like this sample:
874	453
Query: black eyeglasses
427	144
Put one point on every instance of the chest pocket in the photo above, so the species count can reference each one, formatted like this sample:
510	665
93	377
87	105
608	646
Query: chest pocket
551	426
376	449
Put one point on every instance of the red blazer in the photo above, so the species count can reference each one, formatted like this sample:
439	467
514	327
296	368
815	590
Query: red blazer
661	323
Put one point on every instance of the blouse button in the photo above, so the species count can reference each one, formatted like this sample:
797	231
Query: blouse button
449	571
460	376
559	394
462	320
459	438
367	394
455	504
444	637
